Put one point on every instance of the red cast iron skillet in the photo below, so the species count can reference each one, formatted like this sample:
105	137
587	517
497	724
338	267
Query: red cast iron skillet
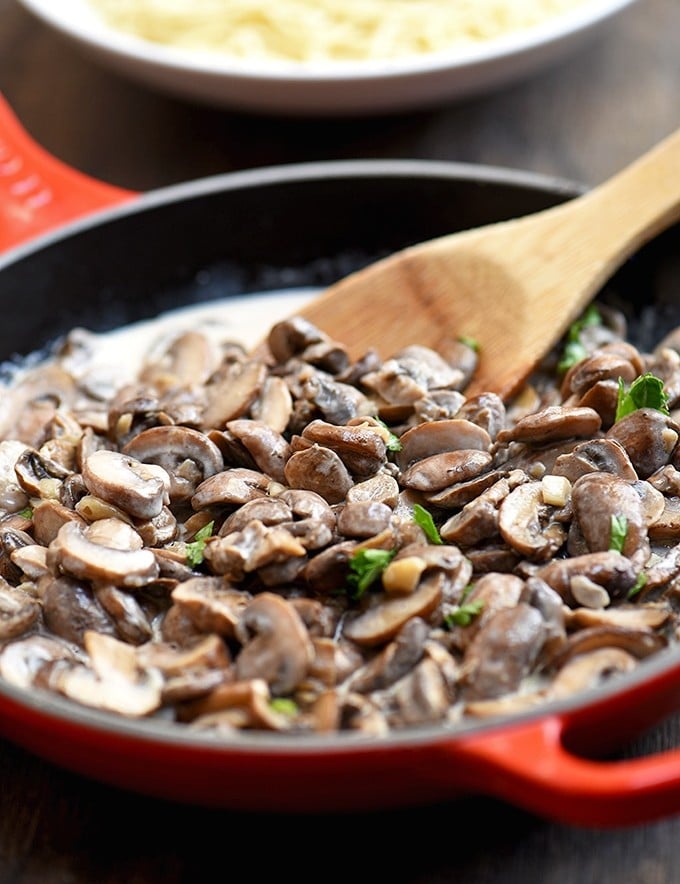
128	256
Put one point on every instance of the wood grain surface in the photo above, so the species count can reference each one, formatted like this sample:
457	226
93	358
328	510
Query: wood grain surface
582	120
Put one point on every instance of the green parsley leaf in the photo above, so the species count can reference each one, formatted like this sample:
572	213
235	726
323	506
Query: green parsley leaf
472	343
464	614
365	568
26	512
393	442
284	706
646	391
637	586
619	529
423	518
194	550
574	350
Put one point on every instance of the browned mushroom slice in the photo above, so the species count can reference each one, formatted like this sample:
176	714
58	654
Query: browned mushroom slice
502	653
70	609
394	661
597	498
75	554
22	659
599	366
268	510
440	405
648	436
139	489
590	670
611	570
114	683
510	704
12	496
634	617
360	713
328	569
381	487
424	440
320	470
290	337
411	373
32	402
526	523
32	559
383	620
48	517
421	697
479	519
239	705
19	612
595	455
441	470
230	396
254	547
493	592
462	493
189	359
274	405
280	650
334	661
666	528
364	518
666	480
360	446
640	643
487	410
212	604
39	476
232	487
338	403
553	424
131	623
267	447
207	652
187	456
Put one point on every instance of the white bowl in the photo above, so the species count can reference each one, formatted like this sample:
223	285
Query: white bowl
333	88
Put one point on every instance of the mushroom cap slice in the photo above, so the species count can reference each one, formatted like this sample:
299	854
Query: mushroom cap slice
77	555
280	651
18	611
520	519
381	622
137	488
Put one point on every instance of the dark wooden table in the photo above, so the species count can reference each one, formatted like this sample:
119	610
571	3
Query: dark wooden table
581	120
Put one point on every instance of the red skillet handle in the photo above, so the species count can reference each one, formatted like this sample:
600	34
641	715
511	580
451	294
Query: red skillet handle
37	191
530	767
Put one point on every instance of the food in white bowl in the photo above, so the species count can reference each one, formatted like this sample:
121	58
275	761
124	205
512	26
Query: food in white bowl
303	31
387	81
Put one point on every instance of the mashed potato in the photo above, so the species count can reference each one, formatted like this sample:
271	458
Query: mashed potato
326	30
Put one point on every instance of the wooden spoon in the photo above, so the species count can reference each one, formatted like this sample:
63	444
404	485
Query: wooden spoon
515	286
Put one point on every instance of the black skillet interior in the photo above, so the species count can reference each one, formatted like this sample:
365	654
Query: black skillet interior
280	228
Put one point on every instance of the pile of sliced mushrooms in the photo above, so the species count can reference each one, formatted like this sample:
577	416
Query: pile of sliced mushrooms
288	540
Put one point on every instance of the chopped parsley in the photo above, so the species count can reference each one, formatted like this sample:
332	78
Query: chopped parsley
366	567
424	519
392	442
645	392
619	529
574	349
284	706
194	550
637	586
472	343
26	512
464	614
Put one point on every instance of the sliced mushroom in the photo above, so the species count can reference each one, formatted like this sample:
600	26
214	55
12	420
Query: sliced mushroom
212	604
19	612
439	471
78	556
320	470
383	620
280	651
597	498
186	455
590	670
648	436
525	523
427	439
139	489
553	424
